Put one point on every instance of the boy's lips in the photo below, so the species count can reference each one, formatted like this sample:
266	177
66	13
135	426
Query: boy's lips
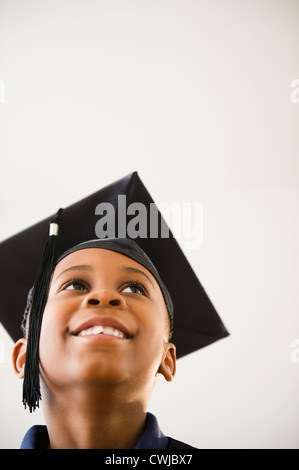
102	325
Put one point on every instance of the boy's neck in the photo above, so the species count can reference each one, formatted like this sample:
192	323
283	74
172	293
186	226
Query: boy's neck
94	420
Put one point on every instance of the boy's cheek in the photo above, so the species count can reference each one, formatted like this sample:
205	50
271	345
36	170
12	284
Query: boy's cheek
52	338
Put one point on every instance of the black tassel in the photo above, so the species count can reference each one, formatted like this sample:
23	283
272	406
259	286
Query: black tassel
31	384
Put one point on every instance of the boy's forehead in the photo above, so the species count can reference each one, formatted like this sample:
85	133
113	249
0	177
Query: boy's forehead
90	259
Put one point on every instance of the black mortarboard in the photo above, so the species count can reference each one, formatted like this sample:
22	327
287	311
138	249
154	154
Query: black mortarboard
111	211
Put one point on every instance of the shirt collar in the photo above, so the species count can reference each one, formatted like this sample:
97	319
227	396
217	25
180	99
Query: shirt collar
153	437
37	436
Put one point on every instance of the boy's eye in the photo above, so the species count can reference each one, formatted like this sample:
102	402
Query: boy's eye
75	285
135	288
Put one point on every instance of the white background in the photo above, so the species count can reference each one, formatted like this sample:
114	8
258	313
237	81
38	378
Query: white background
196	96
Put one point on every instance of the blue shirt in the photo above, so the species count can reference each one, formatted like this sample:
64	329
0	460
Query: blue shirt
153	438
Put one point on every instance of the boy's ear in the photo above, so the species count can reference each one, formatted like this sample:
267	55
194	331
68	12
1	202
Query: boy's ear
168	364
19	356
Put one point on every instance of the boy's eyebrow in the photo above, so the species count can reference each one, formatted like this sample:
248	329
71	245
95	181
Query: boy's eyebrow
79	267
87	267
130	269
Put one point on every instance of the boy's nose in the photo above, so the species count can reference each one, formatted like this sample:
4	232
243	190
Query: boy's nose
104	298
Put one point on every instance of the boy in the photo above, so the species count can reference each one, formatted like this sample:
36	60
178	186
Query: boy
103	342
97	334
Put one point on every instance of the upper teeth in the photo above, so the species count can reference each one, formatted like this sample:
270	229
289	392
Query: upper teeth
106	330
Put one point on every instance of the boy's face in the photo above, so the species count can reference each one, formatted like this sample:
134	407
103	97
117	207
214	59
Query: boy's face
105	321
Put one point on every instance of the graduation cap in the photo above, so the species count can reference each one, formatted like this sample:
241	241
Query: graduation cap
28	259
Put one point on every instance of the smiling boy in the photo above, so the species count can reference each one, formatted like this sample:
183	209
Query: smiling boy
100	325
103	342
